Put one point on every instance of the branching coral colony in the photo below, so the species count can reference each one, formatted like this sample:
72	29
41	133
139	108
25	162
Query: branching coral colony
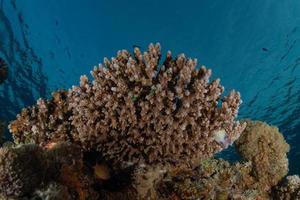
143	129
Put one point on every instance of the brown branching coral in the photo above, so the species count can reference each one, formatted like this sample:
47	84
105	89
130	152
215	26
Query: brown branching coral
266	148
47	121
138	111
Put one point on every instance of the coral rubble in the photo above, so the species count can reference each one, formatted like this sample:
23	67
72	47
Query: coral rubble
143	129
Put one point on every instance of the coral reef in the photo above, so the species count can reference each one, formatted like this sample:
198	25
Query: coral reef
137	111
143	129
212	179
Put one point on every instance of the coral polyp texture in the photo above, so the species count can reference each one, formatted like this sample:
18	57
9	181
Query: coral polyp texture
266	148
45	122
138	110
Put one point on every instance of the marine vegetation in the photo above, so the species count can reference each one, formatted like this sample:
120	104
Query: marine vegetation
143	129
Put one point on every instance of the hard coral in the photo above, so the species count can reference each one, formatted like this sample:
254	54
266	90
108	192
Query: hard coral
140	111
266	148
47	121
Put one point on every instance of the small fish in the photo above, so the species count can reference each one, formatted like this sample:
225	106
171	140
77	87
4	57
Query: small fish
101	171
264	49
50	145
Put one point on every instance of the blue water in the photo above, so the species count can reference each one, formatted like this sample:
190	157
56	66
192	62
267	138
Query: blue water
253	46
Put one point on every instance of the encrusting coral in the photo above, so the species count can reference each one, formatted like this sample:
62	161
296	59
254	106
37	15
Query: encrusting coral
143	129
138	111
